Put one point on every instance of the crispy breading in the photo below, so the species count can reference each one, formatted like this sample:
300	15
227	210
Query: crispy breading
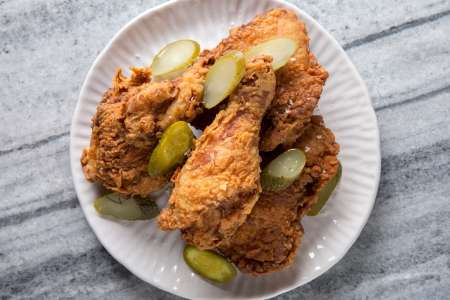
268	240
219	184
298	92
134	112
128	122
299	82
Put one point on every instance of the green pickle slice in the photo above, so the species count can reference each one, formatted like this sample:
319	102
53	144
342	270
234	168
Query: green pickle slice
209	264
174	58
135	208
223	77
175	142
283	170
281	50
325	193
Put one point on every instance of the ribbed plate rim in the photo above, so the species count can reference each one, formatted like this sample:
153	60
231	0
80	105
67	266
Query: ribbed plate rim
74	157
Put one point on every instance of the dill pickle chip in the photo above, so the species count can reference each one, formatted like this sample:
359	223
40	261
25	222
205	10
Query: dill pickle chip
209	264
325	193
171	150
174	58
135	208
223	77
281	50
283	170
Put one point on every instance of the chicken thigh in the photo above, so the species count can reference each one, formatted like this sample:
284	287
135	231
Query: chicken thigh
269	239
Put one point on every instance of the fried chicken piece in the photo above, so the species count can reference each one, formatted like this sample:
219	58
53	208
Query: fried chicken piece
299	82
219	184
268	240
128	122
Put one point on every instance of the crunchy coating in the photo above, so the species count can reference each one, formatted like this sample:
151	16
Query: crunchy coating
298	92
134	112
299	82
268	240
128	122
219	184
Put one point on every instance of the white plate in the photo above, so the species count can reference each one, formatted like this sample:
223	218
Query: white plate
156	256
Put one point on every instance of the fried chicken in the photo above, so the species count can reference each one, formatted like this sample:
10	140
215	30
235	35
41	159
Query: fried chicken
134	112
128	122
219	184
271	235
299	82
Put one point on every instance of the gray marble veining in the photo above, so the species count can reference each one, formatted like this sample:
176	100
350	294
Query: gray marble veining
47	250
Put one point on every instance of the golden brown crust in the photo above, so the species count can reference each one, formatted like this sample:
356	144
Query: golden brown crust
133	113
299	82
128	121
298	92
219	183
268	240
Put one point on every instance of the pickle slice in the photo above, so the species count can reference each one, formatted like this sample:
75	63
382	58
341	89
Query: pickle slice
175	142
223	77
281	50
209	264
325	193
283	170
135	208
174	58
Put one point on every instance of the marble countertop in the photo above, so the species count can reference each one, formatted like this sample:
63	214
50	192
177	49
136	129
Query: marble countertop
47	250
